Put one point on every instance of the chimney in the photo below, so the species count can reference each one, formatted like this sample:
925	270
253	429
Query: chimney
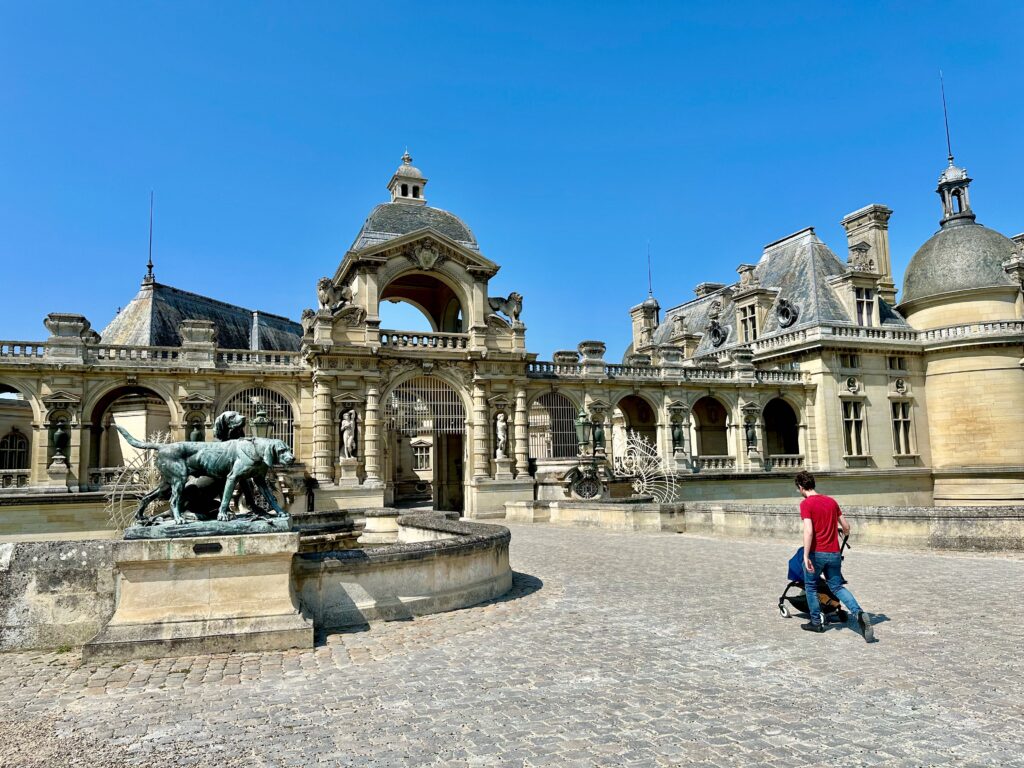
870	226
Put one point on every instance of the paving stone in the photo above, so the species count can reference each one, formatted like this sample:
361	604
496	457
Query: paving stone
612	649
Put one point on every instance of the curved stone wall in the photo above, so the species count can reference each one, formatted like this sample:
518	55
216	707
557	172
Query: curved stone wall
437	565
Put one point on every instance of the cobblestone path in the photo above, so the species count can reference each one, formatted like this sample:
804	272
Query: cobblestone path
613	649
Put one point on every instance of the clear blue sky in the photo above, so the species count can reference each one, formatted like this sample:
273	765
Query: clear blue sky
566	135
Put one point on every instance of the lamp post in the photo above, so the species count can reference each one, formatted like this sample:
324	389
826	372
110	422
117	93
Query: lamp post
262	425
583	427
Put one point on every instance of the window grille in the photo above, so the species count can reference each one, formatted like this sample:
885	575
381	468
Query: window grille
901	427
748	323
425	404
14	451
552	427
279	410
853	427
865	299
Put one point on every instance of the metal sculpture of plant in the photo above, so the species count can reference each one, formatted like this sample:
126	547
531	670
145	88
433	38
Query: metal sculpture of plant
651	475
134	480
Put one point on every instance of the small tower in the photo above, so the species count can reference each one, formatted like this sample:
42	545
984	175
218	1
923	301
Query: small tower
956	202
408	183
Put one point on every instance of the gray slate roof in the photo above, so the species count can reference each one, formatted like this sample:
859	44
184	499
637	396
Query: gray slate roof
960	256
799	268
390	220
153	316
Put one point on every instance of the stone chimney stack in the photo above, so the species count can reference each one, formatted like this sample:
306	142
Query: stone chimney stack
869	227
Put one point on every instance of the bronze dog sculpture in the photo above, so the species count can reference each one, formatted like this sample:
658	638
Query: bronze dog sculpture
233	460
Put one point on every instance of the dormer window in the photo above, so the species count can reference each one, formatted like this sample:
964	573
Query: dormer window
748	323
865	301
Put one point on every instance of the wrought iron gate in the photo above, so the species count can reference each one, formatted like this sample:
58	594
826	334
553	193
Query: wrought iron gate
552	427
425	404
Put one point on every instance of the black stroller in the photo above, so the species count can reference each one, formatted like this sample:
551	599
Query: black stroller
830	605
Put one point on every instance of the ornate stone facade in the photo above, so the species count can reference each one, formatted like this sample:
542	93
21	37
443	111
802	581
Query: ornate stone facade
803	362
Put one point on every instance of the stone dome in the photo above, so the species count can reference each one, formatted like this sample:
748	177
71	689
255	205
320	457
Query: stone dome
961	256
390	220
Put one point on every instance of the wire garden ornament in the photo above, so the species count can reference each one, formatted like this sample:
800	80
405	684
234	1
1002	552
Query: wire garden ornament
651	474
136	478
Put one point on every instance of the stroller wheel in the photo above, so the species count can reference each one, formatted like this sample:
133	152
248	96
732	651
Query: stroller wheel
784	611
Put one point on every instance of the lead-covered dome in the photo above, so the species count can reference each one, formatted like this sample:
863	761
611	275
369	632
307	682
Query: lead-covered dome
390	220
960	256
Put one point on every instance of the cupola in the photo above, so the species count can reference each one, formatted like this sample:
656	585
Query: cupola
956	202
408	183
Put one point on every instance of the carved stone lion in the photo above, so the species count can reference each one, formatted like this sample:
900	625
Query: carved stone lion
306	320
330	296
512	306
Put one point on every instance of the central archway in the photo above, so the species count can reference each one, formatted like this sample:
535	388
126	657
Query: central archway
435	298
425	436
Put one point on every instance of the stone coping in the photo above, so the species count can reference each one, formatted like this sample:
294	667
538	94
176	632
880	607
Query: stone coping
883	512
466	537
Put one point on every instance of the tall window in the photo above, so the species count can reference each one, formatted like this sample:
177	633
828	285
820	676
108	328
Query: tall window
748	323
897	363
421	457
865	306
849	360
853	427
901	427
14	451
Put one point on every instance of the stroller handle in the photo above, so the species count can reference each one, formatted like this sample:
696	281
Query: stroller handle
845	542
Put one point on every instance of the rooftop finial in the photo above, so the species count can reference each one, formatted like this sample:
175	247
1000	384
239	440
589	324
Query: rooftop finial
406	158
650	280
945	116
149	263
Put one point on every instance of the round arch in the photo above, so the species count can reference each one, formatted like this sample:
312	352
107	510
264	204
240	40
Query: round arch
781	427
551	426
231	392
710	423
141	409
412	303
29	393
18	418
633	412
442	299
103	395
279	408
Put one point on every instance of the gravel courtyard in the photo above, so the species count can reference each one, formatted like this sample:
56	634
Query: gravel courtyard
612	649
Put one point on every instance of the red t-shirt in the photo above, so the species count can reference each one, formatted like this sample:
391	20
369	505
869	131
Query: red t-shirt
823	512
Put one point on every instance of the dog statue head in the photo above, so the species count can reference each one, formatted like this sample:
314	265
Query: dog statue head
277	453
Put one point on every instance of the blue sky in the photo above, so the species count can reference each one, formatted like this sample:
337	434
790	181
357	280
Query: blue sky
566	135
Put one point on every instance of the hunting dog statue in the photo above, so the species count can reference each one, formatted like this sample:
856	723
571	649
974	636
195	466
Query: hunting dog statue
245	458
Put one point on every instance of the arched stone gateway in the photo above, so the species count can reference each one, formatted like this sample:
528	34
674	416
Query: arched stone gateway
425	451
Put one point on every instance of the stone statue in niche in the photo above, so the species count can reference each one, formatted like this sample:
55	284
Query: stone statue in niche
501	436
349	438
750	431
678	436
197	434
597	435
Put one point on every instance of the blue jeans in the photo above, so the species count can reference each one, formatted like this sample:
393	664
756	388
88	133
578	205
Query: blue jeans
829	565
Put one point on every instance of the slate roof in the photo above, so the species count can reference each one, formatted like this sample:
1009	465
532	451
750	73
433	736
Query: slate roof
960	256
390	220
799	268
153	316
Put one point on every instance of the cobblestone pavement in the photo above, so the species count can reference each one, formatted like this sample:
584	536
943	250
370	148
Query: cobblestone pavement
613	649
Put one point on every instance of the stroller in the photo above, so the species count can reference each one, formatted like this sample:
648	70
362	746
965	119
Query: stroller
831	608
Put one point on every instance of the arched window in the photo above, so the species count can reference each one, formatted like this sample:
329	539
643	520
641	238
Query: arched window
416	190
405	190
248	403
711	426
14	450
552	427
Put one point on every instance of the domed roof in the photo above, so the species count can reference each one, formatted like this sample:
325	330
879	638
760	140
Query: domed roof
390	220
960	256
407	169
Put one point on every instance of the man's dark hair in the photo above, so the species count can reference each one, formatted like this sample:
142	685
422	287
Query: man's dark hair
805	480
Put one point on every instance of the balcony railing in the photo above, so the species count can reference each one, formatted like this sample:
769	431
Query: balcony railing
715	463
545	369
119	353
414	340
11	479
22	350
243	358
784	461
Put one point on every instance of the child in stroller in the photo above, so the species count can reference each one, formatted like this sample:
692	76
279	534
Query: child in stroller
830	605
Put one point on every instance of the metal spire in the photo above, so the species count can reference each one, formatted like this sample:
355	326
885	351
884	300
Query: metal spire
149	263
945	116
650	282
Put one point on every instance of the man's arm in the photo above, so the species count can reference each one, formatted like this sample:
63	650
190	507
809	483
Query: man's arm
808	544
843	524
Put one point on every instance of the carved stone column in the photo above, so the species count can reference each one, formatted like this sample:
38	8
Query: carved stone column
371	438
323	433
521	434
480	429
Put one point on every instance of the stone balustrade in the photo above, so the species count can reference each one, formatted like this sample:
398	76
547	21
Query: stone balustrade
780	377
715	463
632	372
414	340
15	351
102	477
542	369
784	461
119	354
13	479
244	358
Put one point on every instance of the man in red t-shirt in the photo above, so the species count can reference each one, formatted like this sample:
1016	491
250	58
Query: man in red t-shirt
822	520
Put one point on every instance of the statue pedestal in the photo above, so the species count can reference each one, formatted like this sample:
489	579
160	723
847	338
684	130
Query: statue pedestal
682	462
756	461
57	474
208	594
348	473
503	469
381	526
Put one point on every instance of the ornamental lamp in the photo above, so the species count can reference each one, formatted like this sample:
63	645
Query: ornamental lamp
583	427
262	425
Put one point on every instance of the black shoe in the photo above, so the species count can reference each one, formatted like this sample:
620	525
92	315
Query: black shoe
864	622
812	627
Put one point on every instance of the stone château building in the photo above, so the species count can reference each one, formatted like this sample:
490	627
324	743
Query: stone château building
807	360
